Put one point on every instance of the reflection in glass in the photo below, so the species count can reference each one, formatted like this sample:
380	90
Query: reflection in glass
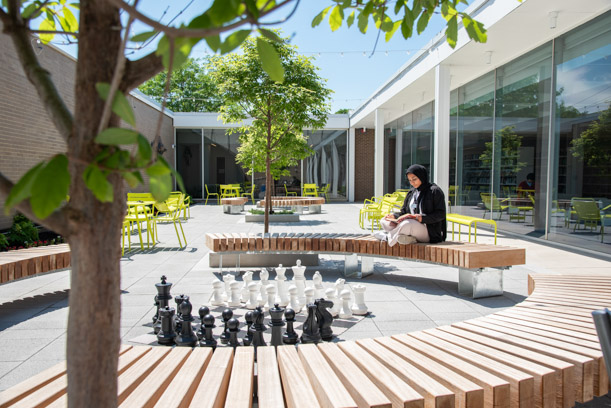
328	164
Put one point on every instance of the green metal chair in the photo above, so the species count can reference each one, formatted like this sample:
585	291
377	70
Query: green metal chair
310	190
492	204
289	193
325	191
250	193
589	213
208	194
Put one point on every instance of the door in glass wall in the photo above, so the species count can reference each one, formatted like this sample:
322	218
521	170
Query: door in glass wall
581	188
220	150
404	126
390	146
327	166
189	160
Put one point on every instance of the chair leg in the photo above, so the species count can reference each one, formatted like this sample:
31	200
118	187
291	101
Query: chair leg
140	235
176	229
183	233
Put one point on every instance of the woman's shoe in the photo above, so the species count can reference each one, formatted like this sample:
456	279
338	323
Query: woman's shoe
381	235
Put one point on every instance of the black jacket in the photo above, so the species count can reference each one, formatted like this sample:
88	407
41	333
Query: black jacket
433	203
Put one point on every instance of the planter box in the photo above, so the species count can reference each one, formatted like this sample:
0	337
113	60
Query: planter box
272	217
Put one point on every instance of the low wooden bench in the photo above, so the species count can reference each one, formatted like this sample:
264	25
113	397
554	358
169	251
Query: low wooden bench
22	263
233	205
470	222
480	266
314	204
542	352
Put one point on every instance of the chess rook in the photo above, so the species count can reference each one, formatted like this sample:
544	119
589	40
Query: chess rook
359	307
166	333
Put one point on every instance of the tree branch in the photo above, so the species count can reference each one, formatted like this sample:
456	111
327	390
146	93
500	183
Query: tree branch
138	71
57	221
53	32
37	75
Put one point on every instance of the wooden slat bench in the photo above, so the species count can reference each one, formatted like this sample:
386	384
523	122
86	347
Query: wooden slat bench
482	362
233	205
31	261
480	265
469	221
314	204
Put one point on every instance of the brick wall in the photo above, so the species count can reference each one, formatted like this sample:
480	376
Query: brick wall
363	159
27	135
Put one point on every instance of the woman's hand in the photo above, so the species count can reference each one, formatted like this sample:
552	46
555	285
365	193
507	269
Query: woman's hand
416	217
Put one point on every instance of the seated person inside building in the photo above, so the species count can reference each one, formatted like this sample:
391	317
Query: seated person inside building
527	187
423	215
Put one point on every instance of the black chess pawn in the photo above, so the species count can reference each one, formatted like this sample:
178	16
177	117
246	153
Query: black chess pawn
258	327
233	328
203	311
289	337
311	333
162	299
177	319
166	333
276	324
248	339
227	314
208	340
324	318
186	337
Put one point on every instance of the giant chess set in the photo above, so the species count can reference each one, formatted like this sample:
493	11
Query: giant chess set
298	312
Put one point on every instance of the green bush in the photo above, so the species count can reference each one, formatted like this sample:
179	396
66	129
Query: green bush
23	231
3	242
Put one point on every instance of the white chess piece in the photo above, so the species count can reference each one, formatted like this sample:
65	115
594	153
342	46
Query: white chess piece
217	295
245	292
253	289
330	295
235	294
309	295
281	283
227	278
264	276
320	289
271	296
294	301
339	286
359	307
299	280
346	312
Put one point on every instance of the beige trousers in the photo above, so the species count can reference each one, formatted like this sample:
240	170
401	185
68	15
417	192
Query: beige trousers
406	227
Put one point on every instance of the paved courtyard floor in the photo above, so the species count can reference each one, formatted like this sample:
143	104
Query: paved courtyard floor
402	296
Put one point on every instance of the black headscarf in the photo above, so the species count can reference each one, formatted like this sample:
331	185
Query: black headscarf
420	172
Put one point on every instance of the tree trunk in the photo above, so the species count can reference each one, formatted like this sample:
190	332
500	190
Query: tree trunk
268	192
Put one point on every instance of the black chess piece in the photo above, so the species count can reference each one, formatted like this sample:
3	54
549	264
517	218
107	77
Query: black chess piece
289	336
258	327
227	314
208	340
276	324
203	311
177	319
324	318
186	337
233	327
311	334
166	333
162	299
248	339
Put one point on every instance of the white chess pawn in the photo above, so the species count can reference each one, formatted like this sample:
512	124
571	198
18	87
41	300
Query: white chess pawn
294	301
346	312
330	296
234	301
320	290
281	283
227	278
217	295
339	286
253	291
264	276
359	307
271	296
245	292
309	295
299	281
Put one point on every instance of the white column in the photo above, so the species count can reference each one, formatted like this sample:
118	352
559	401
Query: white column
351	158
398	157
378	158
441	138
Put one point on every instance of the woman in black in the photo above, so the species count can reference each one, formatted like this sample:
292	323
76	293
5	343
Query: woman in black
423	215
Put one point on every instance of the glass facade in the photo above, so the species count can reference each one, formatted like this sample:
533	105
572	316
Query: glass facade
328	165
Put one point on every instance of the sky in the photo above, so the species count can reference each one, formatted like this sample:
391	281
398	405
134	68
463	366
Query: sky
345	57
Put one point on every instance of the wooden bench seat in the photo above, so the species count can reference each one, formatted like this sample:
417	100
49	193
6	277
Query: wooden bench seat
22	263
233	205
296	203
482	362
479	264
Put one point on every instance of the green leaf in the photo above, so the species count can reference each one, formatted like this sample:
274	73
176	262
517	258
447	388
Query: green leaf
158	169
452	31
47	24
176	175
214	42
50	187
406	27
27	12
182	50
336	18
133	178
392	32
320	17
386	24
160	186
270	35
96	181
120	104
22	189
423	21
145	151
270	60
398	5
234	40
223	11
350	19
363	22
117	136
142	37
252	7
474	28
70	21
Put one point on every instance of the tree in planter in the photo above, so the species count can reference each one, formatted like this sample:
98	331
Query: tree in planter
274	140
97	164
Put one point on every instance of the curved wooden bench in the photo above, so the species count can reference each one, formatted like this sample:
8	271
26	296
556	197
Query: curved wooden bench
480	266
32	261
542	352
297	203
233	205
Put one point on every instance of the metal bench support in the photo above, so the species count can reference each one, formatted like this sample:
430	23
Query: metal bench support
351	266
481	282
232	209
314	209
